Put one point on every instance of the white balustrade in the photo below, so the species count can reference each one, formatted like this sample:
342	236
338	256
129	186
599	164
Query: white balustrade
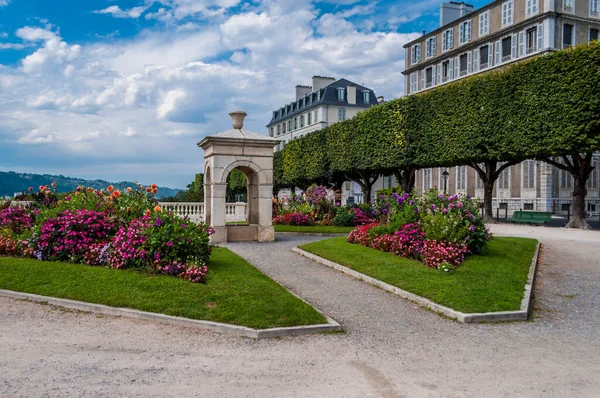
234	212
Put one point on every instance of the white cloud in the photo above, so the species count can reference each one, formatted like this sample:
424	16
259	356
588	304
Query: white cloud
4	2
3	35
169	87
117	12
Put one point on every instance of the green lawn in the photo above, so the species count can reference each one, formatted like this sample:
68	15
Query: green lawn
314	229
235	292
493	281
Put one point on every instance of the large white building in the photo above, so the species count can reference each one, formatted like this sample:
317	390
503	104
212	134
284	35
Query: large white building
327	101
501	33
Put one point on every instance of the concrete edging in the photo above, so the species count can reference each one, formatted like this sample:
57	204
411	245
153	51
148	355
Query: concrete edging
240	331
325	234
519	315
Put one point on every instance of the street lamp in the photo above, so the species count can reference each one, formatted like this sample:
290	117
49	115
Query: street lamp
445	175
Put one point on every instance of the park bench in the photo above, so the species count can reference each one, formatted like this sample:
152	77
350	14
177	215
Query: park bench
530	217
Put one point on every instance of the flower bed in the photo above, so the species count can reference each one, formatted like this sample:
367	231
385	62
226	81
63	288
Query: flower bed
106	228
436	229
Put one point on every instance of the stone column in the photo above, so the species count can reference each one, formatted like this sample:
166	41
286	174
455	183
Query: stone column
545	195
217	211
266	232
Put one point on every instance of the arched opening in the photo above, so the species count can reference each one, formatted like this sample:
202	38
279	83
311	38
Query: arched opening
241	196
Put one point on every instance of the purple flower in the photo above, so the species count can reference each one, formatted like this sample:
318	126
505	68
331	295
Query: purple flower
157	256
381	196
394	195
158	222
412	202
459	205
183	226
432	207
400	199
472	228
444	210
170	244
441	196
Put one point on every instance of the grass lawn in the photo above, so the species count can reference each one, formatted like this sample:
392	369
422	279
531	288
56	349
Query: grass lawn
314	229
493	281
235	292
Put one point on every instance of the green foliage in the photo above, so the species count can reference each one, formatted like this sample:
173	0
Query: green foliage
237	186
444	227
546	106
344	217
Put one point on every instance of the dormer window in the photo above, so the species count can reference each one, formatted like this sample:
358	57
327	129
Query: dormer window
318	95
340	94
366	97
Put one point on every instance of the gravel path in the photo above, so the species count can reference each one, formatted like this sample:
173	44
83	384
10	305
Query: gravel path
391	348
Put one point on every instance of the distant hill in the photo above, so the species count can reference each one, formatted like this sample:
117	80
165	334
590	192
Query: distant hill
11	183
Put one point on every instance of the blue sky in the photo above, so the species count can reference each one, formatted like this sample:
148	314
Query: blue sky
124	89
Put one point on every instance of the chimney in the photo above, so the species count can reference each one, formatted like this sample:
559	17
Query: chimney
318	82
301	91
380	99
351	94
450	12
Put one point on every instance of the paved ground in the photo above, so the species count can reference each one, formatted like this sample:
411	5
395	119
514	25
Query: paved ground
391	348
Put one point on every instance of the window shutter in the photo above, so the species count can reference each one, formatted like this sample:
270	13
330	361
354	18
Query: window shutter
469	62
513	42
451	39
461	32
476	60
540	38
469	30
451	69
433	75
521	43
456	65
497	62
422	79
490	54
439	70
444	48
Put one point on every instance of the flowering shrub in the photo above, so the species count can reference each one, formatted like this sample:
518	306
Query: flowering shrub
107	228
69	236
435	253
437	229
16	219
349	216
296	218
316	194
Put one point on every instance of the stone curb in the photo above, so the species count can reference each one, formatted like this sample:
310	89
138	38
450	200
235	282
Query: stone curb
331	234
240	331
520	315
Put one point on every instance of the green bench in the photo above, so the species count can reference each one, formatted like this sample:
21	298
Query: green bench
530	217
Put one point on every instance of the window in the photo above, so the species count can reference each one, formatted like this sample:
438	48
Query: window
479	183
341	114
484	23
446	71
531	7
430	47
568	31
507	13
416	53
319	95
279	130
463	64
308	121
302	121
428	77
593	181
448	40
316	116
484	56
464	32
289	125
566	179
531	40
461	178
528	174
426	179
594	8
593	34
283	128
414	82
271	132
340	94
569	5
366	97
282	144
506	48
503	181
295	123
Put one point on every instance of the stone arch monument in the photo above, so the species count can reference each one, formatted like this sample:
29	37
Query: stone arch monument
252	153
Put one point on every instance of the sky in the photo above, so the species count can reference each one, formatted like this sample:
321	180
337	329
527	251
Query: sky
125	89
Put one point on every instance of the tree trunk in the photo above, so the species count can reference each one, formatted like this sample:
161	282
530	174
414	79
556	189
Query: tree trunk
489	174
366	180
488	213
406	178
580	167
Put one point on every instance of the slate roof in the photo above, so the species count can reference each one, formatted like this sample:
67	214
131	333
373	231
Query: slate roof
329	96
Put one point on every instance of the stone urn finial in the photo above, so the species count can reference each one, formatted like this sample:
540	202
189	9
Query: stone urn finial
237	119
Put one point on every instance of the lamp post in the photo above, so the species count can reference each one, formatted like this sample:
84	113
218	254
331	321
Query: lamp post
445	175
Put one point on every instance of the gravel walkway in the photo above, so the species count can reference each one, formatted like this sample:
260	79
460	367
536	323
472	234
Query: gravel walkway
391	348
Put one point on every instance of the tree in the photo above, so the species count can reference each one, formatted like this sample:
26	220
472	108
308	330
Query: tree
237	185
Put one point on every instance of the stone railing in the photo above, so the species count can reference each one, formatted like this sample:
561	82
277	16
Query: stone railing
234	212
